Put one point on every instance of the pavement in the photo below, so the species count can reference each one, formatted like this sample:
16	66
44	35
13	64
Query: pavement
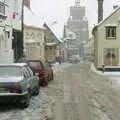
113	76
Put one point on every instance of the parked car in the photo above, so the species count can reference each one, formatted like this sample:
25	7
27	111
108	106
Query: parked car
17	83
74	59
42	69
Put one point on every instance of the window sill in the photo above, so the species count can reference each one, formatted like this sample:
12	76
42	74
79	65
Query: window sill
110	38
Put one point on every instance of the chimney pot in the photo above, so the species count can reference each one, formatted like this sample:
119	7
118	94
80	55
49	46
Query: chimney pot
100	10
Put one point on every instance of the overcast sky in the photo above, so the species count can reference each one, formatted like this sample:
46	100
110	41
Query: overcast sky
58	10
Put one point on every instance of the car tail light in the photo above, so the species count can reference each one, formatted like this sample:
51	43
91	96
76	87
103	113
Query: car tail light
16	88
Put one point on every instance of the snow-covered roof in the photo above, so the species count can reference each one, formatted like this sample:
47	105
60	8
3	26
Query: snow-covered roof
114	11
53	30
31	19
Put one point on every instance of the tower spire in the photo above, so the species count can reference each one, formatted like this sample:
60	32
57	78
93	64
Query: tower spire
77	2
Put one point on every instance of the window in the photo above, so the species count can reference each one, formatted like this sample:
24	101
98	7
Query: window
26	73
1	41
111	32
10	71
7	35
111	56
15	6
2	8
30	71
36	64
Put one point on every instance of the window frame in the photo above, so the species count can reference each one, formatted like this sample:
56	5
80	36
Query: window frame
2	8
30	71
110	35
25	71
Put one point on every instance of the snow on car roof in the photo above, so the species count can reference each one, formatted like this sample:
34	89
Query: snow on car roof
14	64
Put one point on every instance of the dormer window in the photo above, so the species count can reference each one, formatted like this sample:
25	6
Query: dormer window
111	32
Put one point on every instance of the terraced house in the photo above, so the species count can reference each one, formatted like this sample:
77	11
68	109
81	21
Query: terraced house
107	41
52	43
33	35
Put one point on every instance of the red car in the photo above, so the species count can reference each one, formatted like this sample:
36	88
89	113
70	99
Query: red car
43	69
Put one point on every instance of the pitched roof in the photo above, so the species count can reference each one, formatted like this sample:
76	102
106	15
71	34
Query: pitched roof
52	29
31	19
112	13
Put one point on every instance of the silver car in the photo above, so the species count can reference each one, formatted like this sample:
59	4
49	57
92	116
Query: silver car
17	83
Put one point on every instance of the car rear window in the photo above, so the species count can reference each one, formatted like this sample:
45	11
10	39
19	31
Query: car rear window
35	64
10	71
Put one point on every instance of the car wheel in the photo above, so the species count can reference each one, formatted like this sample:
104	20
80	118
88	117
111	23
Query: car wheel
49	78
52	77
26	102
45	83
37	90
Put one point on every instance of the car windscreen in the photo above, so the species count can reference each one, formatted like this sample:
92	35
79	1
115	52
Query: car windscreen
35	64
10	71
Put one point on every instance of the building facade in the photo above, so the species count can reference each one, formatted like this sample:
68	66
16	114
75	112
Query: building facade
6	52
34	42
34	33
10	15
107	41
51	44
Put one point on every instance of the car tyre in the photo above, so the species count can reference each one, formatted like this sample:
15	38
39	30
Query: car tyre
52	77
45	83
37	91
26	102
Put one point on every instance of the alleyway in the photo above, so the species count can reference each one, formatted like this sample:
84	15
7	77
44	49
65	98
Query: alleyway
75	94
80	94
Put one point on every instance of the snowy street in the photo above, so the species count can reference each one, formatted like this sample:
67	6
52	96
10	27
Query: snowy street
80	94
77	93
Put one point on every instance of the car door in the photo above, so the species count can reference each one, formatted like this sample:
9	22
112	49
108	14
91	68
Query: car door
34	79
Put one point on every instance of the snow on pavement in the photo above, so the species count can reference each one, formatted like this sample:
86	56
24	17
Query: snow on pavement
114	76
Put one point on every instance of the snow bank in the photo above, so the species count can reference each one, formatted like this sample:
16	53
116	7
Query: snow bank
114	76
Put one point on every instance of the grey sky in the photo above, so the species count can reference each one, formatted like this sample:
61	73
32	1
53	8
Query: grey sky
58	10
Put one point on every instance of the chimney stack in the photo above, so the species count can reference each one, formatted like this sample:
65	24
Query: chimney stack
100	10
27	3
